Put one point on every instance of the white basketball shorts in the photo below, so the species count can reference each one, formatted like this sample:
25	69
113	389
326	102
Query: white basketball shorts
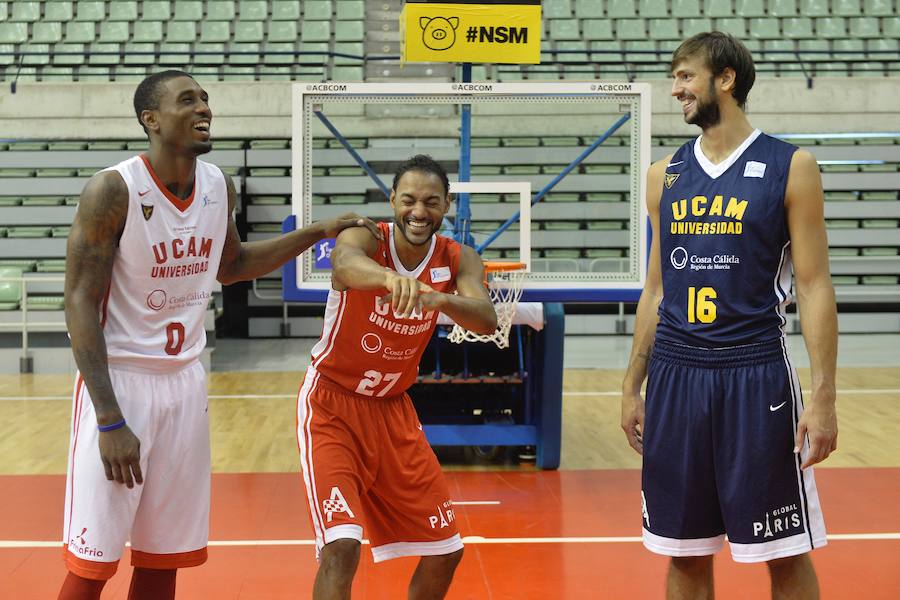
167	518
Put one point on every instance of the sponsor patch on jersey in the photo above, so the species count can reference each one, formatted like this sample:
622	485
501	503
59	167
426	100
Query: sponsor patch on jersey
147	210
754	169
671	178
439	274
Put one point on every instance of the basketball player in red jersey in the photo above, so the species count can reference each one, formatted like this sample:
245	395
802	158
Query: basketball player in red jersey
150	237
364	456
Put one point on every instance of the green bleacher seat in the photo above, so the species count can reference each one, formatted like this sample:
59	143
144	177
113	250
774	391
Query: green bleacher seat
317	10
778	50
215	31
248	31
864	27
86	171
10	291
68	54
238	54
319	48
276	53
181	31
346	199
571	56
188	10
877	46
550	9
847	8
253	10
717	8
93	73
13	33
51	265
831	27
631	29
146	31
58	73
849	49
54	302
814	8
26	12
124	10
115	31
486	170
174	54
35	54
282	31
347	74
652	8
62	231
782	8
315	31
10	200
4	12
28	232
750	8
269	145
46	33
765	28
130	73
139	53
891	27
545	73
604	225
57	11
357	49
7	54
350	10
286	10
797	27
691	27
90	10
814	45
80	32
155	10
205	73
686	8
736	26
643	53
879	8
597	29
239	74
564	29
620	9
349	31
219	10
589	9
209	54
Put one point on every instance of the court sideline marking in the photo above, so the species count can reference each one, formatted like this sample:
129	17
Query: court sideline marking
471	539
865	391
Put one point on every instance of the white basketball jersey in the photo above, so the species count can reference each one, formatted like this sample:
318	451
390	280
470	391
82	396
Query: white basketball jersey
164	269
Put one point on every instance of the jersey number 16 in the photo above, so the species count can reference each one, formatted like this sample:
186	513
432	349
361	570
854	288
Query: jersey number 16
700	306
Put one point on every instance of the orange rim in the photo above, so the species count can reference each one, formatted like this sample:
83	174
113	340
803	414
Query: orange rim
502	266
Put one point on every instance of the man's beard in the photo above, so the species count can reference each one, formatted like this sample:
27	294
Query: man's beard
707	113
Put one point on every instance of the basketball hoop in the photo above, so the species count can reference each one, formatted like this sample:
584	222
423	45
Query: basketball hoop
504	281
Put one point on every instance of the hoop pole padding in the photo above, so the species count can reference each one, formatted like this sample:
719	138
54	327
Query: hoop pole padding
537	197
359	159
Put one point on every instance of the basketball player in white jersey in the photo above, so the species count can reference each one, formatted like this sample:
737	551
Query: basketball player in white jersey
150	237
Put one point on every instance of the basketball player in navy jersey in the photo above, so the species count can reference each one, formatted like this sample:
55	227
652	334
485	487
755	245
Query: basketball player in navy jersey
727	441
149	239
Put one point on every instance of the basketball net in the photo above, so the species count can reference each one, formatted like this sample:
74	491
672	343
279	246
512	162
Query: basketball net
504	281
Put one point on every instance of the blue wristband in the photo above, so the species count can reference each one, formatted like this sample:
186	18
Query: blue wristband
112	427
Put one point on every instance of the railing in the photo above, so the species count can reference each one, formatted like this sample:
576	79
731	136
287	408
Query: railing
25	363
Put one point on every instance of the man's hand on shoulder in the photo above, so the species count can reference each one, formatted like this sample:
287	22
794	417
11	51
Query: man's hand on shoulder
333	227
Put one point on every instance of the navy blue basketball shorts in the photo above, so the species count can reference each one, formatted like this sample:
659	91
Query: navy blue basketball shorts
719	456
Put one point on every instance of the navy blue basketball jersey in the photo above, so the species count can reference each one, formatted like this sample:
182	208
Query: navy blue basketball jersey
724	245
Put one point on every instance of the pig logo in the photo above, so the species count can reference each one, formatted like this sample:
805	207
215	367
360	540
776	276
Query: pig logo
438	33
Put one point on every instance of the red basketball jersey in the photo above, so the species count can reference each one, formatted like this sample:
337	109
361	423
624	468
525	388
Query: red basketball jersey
367	349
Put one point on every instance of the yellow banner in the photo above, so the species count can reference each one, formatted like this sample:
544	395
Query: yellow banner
473	33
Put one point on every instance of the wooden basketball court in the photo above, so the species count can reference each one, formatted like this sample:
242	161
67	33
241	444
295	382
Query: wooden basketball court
572	533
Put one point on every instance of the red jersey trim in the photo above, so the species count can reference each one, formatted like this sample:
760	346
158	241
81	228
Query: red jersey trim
180	204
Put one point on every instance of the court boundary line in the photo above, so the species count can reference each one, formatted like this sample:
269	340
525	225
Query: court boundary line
861	391
471	539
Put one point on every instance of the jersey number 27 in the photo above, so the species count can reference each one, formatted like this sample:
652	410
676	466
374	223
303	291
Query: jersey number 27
372	379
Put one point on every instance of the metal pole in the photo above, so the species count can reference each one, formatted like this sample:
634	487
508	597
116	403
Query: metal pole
463	210
537	197
359	159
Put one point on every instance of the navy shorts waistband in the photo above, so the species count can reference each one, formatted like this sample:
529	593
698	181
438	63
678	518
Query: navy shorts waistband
718	358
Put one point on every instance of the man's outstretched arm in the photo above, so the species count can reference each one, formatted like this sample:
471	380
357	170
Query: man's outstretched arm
248	260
